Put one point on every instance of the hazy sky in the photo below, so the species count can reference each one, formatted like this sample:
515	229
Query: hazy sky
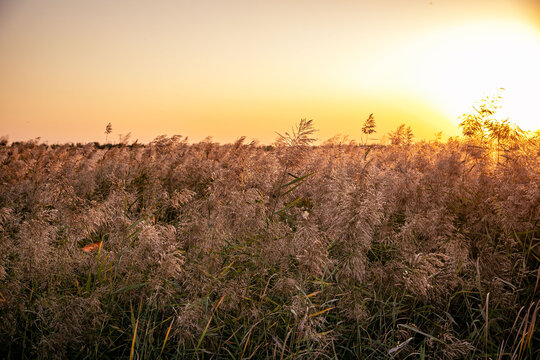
231	68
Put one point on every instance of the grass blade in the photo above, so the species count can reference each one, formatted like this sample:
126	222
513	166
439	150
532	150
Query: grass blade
166	337
133	340
206	327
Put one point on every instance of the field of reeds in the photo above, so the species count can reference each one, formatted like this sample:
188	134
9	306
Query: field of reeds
425	250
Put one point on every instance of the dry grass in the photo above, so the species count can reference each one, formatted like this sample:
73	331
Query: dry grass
215	251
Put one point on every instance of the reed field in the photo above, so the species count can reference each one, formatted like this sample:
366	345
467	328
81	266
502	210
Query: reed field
179	250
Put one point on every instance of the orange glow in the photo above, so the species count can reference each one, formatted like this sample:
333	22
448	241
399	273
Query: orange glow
456	67
227	69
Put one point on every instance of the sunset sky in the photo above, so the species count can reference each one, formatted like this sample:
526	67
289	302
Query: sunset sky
230	68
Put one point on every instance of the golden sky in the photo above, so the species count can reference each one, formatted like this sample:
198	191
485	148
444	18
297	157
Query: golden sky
249	67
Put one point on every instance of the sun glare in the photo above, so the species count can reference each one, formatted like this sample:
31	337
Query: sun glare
456	68
463	65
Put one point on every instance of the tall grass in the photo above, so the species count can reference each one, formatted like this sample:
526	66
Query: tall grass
426	250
